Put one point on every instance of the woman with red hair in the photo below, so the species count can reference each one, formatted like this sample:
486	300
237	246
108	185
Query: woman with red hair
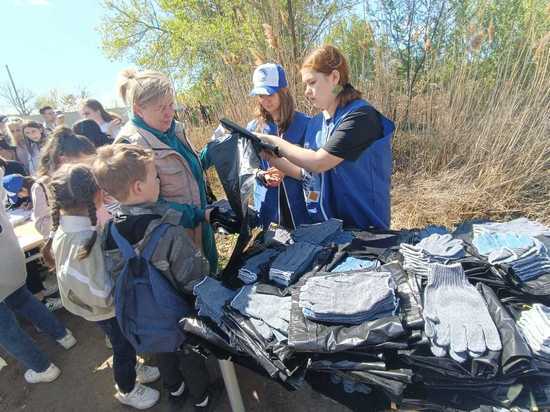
346	162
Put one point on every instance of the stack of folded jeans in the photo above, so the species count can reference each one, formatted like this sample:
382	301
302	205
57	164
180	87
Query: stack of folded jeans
318	233
352	263
435	248
534	325
289	265
349	298
527	256
257	266
211	298
521	226
456	317
273	310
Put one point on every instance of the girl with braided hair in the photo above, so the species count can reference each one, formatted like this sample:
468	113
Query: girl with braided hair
63	146
85	286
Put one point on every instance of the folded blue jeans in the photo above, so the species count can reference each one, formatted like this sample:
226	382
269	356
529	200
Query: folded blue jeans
318	233
211	298
273	310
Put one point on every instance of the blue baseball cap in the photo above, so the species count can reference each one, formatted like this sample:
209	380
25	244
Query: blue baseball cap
13	185
268	79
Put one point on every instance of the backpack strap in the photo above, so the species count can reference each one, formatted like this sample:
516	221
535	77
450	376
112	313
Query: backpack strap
127	250
154	238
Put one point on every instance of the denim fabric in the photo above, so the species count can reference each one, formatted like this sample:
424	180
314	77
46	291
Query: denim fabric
211	298
257	266
124	355
349	298
273	310
343	238
318	233
534	325
521	226
352	263
293	263
26	305
17	342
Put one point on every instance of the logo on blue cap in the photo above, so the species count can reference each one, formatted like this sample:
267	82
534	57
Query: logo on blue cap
268	79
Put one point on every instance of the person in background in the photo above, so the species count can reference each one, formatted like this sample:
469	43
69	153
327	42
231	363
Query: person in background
18	189
15	133
7	149
277	200
34	137
49	116
346	162
108	122
59	118
12	167
92	131
16	299
85	286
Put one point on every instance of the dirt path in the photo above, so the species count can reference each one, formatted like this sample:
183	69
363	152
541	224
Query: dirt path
86	382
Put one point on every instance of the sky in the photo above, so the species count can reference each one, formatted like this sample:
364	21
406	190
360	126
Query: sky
55	44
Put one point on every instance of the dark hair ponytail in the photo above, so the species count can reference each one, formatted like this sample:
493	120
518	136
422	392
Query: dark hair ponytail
74	189
85	250
47	248
62	142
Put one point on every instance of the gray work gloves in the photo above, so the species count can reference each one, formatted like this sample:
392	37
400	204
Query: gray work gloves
456	317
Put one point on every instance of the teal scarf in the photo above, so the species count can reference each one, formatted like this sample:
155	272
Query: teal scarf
171	139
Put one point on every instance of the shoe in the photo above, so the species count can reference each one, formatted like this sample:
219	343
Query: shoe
67	341
146	374
180	390
49	375
108	342
53	304
49	291
141	397
211	399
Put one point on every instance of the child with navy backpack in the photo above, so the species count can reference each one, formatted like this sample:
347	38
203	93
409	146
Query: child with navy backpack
85	287
155	264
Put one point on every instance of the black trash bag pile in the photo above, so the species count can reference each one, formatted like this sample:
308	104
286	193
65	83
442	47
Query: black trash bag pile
383	361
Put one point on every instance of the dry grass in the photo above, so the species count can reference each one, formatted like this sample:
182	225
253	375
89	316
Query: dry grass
471	148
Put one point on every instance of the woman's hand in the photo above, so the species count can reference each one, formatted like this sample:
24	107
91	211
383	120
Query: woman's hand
272	177
113	125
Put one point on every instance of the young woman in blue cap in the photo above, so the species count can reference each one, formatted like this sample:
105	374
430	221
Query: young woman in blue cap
346	162
278	199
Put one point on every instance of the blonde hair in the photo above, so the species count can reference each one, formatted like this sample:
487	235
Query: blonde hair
118	166
15	140
140	88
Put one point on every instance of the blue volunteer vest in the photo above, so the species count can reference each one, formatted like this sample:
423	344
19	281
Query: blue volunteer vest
266	200
357	192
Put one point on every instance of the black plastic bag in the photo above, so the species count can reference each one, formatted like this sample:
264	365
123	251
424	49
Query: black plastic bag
305	335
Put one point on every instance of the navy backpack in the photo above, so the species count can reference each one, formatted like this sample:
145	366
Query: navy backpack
147	306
